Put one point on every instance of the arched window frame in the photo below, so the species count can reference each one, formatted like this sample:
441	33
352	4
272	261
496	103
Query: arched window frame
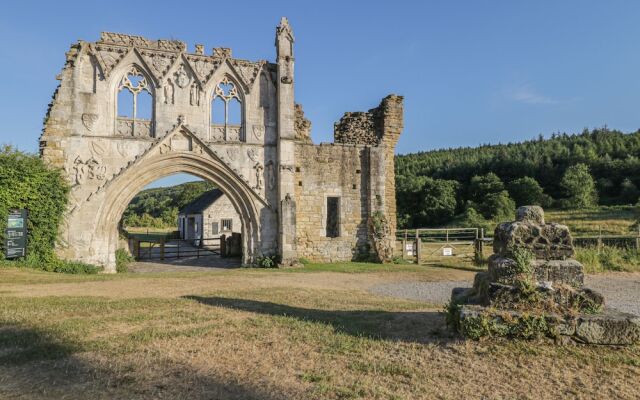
234	93
135	126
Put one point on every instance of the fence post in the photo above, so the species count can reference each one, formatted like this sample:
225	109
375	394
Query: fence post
178	250
479	247
638	238
162	248
404	244
418	250
223	245
599	239
136	245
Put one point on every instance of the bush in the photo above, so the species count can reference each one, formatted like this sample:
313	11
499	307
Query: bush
54	265
266	262
26	182
123	258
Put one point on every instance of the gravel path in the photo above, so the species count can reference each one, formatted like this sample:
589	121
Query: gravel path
620	290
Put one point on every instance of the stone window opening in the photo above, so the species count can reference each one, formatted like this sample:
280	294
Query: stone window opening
227	224
333	217
226	112
134	105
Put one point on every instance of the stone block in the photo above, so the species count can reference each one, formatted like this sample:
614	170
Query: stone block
568	272
564	299
548	241
534	214
611	327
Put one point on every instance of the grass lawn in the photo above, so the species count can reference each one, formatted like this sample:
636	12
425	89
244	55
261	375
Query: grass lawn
310	333
614	220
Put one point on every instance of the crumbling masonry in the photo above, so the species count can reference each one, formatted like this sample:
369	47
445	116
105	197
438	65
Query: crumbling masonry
130	110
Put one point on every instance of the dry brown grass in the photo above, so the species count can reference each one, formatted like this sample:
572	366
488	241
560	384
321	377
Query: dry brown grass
270	335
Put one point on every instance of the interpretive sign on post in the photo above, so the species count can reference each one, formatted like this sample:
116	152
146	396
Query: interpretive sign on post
15	244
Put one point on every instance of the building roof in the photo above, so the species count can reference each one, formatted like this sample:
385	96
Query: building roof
202	202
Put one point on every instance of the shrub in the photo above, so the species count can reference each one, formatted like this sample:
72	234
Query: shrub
123	258
266	261
26	182
53	265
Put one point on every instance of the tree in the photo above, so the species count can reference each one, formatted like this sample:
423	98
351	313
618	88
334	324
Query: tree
439	201
498	207
484	185
629	192
526	191
579	187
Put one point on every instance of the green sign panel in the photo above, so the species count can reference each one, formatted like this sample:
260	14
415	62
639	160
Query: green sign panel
15	243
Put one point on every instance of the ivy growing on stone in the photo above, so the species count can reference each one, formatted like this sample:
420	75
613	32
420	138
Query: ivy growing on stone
26	182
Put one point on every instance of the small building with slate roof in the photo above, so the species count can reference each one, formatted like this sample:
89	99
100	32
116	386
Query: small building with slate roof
207	217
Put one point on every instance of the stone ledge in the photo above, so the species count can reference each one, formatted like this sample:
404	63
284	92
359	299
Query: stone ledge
611	327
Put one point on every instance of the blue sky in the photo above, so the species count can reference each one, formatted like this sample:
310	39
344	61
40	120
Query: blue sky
471	72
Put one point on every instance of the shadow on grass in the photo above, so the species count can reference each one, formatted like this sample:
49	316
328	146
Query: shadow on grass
461	267
36	364
409	326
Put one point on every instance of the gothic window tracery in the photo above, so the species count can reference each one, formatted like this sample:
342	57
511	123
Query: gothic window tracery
226	111
134	105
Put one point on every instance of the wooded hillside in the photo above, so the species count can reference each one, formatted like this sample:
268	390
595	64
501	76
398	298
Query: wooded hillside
601	166
158	207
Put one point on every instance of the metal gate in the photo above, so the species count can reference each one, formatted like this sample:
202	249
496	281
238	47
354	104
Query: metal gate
163	249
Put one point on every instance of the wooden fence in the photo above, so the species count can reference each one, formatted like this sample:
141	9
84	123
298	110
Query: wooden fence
428	244
425	244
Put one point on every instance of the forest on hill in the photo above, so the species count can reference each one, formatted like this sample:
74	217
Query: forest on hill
158	207
471	186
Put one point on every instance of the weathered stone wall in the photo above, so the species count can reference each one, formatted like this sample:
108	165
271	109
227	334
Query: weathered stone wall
356	128
333	170
380	126
302	125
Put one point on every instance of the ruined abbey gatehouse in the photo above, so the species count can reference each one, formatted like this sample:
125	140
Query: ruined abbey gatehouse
130	110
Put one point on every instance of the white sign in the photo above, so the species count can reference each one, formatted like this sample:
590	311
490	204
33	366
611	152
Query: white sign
409	249
447	251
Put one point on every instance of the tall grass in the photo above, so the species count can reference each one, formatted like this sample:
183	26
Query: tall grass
608	258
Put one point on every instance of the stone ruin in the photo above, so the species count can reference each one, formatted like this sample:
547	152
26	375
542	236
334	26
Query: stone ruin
295	199
534	288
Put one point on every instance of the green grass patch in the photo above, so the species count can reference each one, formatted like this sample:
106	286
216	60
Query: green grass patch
610	220
356	267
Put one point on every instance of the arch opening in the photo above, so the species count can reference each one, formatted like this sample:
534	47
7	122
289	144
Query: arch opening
134	180
179	221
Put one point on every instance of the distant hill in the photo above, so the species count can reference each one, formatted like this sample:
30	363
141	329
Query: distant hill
612	158
158	207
